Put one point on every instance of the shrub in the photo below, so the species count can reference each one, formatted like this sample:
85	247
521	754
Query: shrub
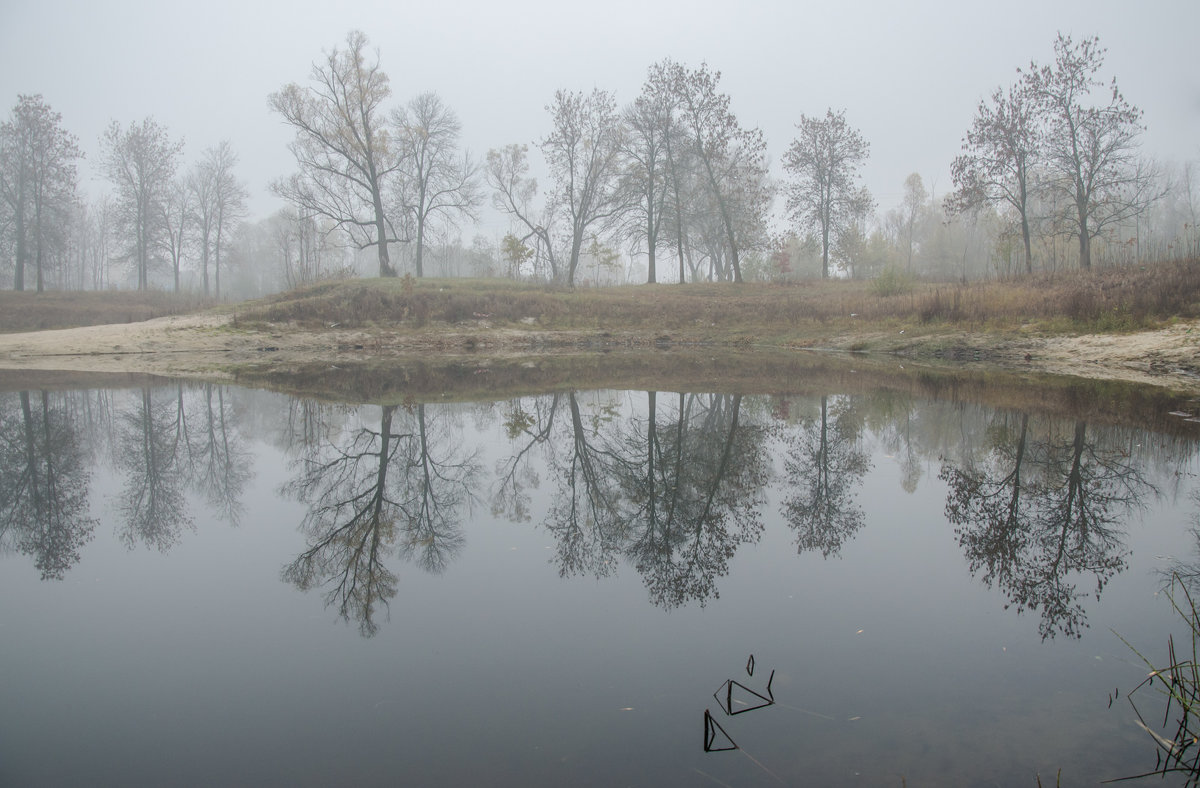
892	281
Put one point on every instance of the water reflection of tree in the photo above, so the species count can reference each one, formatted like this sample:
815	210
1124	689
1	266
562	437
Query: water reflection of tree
516	476
694	496
825	462
171	441
217	459
150	449
1040	511
399	488
43	483
674	493
1186	571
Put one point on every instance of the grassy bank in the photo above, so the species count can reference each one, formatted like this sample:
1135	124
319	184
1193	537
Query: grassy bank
1111	300
799	312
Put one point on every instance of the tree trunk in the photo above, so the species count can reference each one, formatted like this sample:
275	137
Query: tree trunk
1025	238
217	261
385	260
650	240
573	263
419	257
1085	248
22	251
727	221
825	247
38	261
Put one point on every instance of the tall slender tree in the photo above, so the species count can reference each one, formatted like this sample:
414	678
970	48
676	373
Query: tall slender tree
220	201
437	182
343	146
733	160
650	124
824	161
514	190
140	162
177	215
1000	153
37	184
662	93
911	208
583	151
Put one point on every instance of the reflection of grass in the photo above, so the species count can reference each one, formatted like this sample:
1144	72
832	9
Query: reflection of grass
1178	681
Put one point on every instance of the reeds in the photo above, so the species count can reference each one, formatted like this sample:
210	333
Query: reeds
1178	682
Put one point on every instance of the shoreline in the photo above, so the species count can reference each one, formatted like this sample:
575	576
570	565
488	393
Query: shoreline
215	347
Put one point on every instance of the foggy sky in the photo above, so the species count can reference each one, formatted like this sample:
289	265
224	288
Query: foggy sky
909	75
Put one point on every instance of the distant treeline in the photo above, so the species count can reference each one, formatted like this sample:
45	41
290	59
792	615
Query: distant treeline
670	187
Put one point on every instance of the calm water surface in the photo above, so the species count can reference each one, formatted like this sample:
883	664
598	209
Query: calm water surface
206	585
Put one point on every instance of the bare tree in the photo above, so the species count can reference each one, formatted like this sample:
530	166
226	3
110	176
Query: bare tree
220	201
95	229
824	161
300	246
176	211
37	183
507	172
583	152
911	207
1091	150
140	162
436	182
1042	512
651	124
663	107
342	146
999	155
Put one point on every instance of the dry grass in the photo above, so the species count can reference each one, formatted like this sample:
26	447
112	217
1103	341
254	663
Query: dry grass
1110	300
1119	299
27	311
797	313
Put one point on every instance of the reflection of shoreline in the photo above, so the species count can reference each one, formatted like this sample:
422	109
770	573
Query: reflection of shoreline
198	346
400	379
668	484
750	371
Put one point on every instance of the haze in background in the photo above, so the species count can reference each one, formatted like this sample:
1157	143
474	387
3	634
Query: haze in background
909	76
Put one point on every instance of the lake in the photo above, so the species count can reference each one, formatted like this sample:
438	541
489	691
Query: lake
834	579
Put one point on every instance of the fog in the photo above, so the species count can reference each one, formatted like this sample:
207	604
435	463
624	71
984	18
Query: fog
909	76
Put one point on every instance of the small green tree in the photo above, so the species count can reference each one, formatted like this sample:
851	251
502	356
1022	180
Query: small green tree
515	254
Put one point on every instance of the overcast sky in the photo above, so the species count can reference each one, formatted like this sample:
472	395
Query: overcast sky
908	74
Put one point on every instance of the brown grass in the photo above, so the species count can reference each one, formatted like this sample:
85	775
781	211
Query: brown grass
27	311
798	313
1110	300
